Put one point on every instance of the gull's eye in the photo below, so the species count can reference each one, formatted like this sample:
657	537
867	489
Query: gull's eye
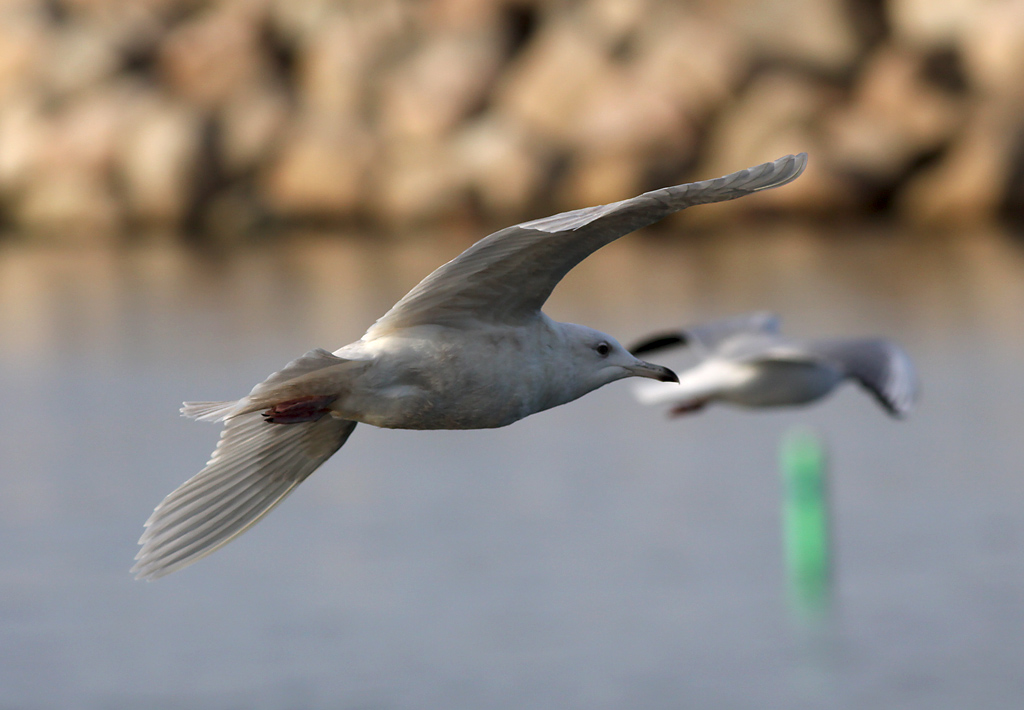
603	349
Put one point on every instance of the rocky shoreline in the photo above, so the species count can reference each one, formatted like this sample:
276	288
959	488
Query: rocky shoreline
218	117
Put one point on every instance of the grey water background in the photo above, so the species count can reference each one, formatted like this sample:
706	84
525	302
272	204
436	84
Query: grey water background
597	555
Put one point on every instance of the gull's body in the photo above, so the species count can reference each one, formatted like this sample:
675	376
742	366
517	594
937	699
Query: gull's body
467	348
745	362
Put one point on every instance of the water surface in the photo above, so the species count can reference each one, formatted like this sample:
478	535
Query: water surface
594	556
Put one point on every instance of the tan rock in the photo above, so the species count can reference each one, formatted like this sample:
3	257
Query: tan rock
932	23
252	122
302	21
80	136
209	58
70	205
331	69
815	32
894	118
548	86
776	116
697	81
622	115
458	15
614	21
970	182
338	54
500	164
320	171
435	87
417	183
23	134
992	44
158	155
86	132
24	47
597	178
80	58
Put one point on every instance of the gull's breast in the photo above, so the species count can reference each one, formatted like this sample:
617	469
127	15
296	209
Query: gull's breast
445	379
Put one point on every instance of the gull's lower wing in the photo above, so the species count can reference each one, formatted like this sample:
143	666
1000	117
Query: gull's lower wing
256	464
880	366
507	277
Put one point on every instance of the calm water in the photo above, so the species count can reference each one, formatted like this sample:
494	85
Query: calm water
597	556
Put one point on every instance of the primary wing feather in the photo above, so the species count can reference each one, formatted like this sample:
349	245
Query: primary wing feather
256	464
507	276
880	366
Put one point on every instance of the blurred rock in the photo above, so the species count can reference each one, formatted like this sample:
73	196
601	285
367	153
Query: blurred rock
212	56
992	44
158	156
623	115
85	133
817	33
969	183
375	21
417	184
614	21
22	137
320	170
932	23
48	156
894	118
597	178
776	115
548	85
252	122
445	16
68	205
437	86
338	58
24	45
80	58
404	111
699	81
501	166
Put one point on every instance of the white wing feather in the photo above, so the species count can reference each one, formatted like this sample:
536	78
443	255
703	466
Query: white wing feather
507	276
256	464
880	366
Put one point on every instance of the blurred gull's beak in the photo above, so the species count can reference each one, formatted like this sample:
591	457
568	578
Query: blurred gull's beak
652	371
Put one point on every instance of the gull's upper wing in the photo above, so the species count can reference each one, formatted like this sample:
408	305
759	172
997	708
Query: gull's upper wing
880	366
761	327
256	464
507	276
730	333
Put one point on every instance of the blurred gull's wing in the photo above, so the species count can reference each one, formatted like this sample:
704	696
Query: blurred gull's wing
256	464
506	278
750	327
711	335
880	366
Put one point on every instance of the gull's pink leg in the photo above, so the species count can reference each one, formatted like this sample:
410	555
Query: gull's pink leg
303	409
687	408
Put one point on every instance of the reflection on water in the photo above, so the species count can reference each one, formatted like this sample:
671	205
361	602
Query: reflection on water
593	556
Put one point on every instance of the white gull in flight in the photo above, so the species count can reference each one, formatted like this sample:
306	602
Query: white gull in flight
467	348
744	361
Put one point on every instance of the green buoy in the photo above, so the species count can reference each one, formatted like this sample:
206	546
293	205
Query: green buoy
806	526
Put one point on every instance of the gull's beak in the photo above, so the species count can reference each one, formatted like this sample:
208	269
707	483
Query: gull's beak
652	371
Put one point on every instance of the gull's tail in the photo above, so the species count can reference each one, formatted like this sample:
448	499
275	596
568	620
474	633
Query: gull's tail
209	411
255	465
318	372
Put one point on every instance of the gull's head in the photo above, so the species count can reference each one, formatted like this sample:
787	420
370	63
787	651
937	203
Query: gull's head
598	359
